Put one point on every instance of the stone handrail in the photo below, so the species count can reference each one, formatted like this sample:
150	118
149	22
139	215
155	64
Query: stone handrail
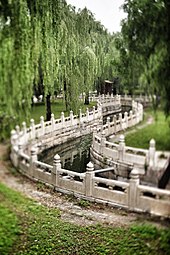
26	141
153	199
102	150
143	159
130	194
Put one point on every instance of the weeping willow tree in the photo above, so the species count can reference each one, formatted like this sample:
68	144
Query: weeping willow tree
146	36
87	57
28	33
46	43
16	66
45	18
69	50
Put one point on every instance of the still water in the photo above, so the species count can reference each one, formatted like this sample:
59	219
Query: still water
75	154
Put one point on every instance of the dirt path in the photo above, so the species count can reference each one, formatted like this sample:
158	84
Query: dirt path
69	207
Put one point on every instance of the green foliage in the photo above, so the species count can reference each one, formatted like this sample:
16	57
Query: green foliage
83	203
9	230
43	232
146	39
47	46
57	107
159	130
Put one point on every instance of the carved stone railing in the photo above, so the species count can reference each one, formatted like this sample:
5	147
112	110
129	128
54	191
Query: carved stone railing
104	153
130	195
143	159
28	142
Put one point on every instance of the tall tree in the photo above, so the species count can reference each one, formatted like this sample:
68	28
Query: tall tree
48	45
146	35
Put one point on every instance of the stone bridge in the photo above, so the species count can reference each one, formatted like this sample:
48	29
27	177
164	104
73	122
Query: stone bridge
28	142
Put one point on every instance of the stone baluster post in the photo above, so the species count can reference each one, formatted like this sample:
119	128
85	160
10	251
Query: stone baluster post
14	138
103	140
131	119
33	158
136	106
52	122
62	120
133	192
80	117
108	123
152	154
55	171
71	117
30	134
100	110
24	128
20	148
98	104
87	114
84	97
120	119
17	128
42	125
121	148
101	125
133	106
14	148
115	126
32	129
94	115
137	117
141	112
118	99
126	119
94	133
89	180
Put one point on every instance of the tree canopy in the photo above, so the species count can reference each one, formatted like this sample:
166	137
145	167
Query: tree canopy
48	44
146	41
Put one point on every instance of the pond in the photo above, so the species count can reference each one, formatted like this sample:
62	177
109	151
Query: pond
75	154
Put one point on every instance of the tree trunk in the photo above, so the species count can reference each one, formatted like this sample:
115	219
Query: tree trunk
86	99
65	94
48	107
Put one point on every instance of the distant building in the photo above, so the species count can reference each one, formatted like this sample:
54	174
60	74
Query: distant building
109	87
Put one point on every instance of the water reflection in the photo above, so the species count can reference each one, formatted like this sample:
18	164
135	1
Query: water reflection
74	154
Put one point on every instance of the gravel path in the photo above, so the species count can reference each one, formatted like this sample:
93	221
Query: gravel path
68	206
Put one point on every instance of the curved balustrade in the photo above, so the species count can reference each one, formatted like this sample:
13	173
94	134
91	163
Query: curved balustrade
28	142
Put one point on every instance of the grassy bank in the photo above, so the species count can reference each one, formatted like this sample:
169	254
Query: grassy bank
29	228
57	107
158	130
7	123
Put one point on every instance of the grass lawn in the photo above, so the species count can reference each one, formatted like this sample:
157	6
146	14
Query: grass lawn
159	130
57	107
28	228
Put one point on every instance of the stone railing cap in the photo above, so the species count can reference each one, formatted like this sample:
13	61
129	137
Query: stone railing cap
56	157
90	166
